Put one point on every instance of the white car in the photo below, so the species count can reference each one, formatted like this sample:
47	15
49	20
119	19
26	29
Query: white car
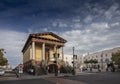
2	72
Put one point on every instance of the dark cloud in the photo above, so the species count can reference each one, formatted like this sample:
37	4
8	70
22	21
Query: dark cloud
21	14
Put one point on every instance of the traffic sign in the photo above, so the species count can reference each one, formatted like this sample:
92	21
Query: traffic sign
20	65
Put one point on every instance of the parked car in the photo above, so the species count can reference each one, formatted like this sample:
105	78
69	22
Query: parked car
2	72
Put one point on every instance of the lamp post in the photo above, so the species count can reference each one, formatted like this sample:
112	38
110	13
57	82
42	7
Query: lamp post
102	60
73	63
56	67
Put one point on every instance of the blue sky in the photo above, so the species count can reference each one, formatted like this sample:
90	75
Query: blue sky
88	25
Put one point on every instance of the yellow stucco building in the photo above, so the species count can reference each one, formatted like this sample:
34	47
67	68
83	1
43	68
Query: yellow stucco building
43	49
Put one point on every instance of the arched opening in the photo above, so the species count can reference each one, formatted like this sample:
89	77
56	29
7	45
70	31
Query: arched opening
52	68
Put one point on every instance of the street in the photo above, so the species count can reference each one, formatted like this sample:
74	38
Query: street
98	78
81	78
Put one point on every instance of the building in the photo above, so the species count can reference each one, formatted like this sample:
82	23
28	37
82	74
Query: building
80	61
42	51
68	59
103	57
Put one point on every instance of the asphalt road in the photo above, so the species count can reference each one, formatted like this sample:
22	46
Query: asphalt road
97	78
30	81
84	78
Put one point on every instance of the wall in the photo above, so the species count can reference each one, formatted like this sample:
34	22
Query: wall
38	52
26	55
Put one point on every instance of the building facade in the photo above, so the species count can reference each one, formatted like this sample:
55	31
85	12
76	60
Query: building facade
43	49
68	59
80	61
103	57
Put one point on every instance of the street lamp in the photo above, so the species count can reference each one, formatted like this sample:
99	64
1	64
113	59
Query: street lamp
74	58
102	60
56	67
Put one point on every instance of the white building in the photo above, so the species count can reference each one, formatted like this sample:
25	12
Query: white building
80	61
103	57
68	59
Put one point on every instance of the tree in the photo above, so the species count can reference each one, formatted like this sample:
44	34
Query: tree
94	61
116	57
86	61
3	60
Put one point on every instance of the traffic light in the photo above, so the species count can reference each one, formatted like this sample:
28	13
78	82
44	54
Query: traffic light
75	56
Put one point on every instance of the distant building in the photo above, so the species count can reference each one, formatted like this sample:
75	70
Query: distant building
68	59
103	57
80	61
43	49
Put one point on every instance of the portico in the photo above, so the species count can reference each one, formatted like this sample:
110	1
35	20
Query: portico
42	47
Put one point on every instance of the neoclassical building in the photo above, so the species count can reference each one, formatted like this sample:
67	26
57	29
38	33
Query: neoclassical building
43	49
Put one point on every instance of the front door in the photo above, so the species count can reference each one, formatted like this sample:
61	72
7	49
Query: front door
47	54
52	68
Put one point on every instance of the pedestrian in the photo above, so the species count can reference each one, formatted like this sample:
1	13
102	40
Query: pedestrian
16	73
106	68
81	68
91	69
99	68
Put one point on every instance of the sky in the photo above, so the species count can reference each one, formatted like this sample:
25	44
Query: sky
88	25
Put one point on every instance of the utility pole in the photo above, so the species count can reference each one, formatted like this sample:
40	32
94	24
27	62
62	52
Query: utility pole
102	59
56	67
73	62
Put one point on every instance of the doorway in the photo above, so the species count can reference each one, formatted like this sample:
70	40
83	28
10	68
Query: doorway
47	54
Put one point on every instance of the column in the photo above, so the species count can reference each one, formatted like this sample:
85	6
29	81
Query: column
43	51
49	53
30	52
33	50
55	49
62	53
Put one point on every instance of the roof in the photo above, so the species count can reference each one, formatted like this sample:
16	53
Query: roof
44	36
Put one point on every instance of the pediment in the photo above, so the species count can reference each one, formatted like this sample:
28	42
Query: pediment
49	37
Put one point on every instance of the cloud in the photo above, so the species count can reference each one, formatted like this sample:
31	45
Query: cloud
62	24
111	11
76	26
96	36
115	24
88	19
12	42
76	20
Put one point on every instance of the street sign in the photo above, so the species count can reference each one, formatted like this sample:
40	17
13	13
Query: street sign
20	65
20	70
